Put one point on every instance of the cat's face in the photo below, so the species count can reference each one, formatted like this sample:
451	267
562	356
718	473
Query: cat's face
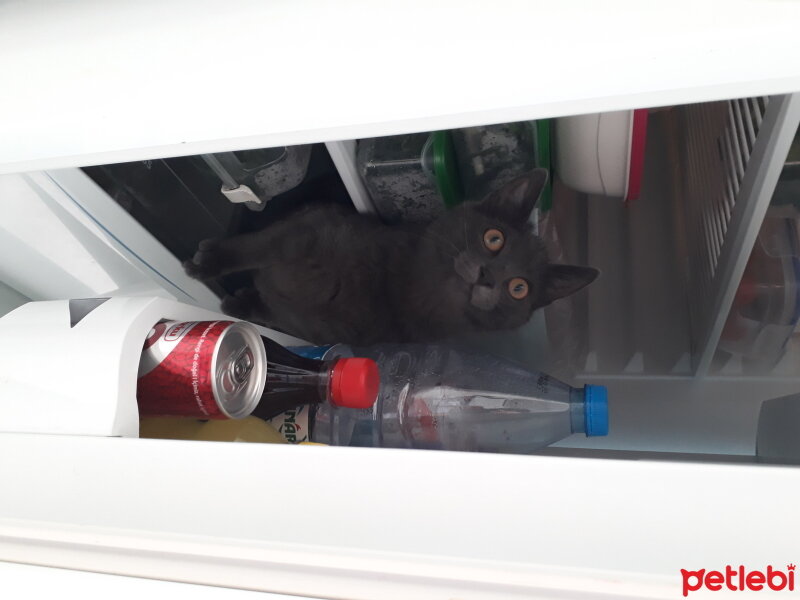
491	270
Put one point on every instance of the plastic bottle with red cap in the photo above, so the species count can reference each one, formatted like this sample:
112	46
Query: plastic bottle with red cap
439	397
294	381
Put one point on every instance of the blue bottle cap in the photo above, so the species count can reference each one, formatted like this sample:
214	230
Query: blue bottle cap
596	409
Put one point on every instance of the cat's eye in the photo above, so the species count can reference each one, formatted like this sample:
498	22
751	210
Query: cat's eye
518	288
494	239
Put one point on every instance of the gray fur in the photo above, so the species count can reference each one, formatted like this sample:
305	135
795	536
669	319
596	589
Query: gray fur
327	274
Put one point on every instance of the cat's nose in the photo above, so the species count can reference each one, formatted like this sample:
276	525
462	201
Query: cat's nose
485	278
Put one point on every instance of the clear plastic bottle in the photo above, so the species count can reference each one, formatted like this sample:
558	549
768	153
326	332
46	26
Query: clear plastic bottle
437	397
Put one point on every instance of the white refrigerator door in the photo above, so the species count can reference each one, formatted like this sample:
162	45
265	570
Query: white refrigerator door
140	79
29	582
372	523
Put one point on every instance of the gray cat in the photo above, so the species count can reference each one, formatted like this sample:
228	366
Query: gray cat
327	274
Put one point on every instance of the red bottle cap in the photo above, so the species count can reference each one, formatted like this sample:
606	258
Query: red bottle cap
355	383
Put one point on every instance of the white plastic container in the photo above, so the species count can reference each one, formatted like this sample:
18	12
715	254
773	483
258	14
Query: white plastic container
602	153
70	366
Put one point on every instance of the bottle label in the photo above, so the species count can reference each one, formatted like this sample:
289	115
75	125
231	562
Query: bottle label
315	352
292	425
421	425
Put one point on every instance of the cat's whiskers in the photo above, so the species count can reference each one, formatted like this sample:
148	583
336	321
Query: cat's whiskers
442	239
466	237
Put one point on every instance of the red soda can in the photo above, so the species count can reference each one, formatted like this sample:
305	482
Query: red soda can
202	369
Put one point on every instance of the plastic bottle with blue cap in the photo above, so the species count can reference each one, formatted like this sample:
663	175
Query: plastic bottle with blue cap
438	397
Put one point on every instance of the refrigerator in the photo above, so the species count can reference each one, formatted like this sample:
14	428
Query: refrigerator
106	115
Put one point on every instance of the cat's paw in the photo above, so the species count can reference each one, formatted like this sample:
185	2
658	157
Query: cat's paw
206	263
245	303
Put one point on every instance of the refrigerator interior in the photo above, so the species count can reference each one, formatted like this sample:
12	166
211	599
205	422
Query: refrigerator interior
649	328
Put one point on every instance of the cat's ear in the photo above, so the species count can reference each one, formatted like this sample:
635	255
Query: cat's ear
514	201
563	280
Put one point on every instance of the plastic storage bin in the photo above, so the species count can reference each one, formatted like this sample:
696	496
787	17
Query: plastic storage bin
410	177
492	155
415	177
177	199
602	153
269	172
278	170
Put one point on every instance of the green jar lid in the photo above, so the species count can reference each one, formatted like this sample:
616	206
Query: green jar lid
445	169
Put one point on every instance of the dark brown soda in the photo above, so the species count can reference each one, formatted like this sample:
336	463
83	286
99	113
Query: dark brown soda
292	381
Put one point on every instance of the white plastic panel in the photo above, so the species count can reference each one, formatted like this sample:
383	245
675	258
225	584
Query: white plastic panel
29	582
140	79
61	236
364	524
46	253
343	155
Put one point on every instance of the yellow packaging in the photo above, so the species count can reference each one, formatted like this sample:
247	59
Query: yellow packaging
249	429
